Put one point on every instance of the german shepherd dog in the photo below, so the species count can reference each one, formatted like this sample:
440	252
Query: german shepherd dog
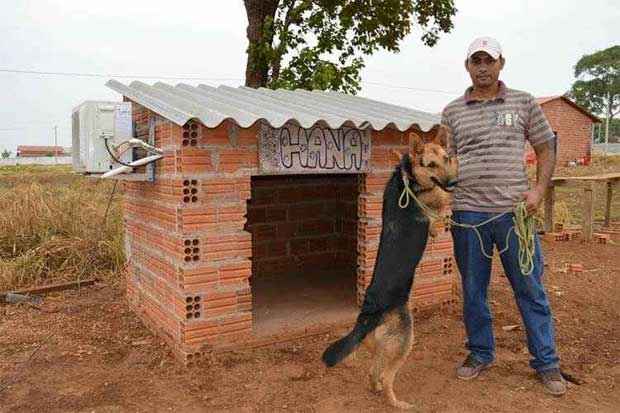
385	324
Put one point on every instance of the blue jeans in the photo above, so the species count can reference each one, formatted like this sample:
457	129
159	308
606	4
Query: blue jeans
528	290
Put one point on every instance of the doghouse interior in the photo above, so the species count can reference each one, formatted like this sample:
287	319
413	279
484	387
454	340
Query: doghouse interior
304	251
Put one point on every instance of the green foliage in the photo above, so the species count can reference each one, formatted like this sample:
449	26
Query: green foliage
614	131
598	76
321	44
5	154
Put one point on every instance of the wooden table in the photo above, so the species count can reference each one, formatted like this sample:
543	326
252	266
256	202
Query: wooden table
611	180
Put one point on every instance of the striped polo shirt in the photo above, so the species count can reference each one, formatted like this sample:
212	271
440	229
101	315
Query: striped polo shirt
488	138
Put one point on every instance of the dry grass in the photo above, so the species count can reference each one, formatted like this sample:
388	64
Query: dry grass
52	227
569	201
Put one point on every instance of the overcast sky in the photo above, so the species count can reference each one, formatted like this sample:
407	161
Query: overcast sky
542	41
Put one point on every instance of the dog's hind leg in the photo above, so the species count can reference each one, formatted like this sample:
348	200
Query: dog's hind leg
377	362
394	346
350	360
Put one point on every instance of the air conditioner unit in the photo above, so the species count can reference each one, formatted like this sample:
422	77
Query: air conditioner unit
94	122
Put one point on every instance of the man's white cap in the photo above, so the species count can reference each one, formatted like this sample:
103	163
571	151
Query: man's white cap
485	44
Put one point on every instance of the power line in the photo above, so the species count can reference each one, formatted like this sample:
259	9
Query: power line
121	76
12	129
44	126
17	125
417	89
108	75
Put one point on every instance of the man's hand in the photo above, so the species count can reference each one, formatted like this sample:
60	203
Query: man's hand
533	199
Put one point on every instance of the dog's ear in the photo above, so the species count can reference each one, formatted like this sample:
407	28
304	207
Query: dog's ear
441	136
416	142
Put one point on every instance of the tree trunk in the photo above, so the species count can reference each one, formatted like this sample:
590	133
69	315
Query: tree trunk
257	67
607	123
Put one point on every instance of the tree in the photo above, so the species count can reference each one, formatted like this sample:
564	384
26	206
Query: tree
5	154
614	132
598	84
320	44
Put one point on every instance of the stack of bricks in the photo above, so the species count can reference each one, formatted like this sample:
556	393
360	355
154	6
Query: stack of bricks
563	232
435	281
602	238
208	223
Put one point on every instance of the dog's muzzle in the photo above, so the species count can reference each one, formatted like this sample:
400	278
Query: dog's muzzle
448	186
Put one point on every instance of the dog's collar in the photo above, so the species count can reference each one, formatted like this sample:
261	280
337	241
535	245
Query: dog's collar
417	188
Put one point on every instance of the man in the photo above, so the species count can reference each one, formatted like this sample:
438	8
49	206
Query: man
490	125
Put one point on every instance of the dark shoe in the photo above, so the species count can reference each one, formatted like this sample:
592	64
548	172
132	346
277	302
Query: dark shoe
553	381
471	368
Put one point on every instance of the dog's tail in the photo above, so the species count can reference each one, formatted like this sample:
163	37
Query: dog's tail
340	349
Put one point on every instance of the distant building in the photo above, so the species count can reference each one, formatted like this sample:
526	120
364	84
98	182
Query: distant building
33	151
573	127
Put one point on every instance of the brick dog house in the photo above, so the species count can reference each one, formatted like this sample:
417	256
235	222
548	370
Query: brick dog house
263	218
573	126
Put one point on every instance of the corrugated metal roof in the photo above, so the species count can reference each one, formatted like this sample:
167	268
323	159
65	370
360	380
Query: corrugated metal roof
246	106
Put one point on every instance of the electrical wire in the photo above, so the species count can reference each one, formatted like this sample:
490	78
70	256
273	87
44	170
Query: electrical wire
123	76
109	75
107	146
105	216
416	89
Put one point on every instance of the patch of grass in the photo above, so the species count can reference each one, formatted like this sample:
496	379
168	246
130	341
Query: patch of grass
52	227
15	170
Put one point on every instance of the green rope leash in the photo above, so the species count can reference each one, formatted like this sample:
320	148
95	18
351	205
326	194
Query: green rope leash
523	227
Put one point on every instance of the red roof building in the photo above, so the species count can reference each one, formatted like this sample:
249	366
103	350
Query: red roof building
30	151
572	125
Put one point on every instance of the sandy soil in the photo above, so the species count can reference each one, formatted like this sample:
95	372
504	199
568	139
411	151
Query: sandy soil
85	351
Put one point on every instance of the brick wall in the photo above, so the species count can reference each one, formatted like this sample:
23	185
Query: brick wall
573	128
189	255
192	250
299	222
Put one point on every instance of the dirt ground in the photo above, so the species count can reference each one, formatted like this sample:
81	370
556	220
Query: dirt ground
86	352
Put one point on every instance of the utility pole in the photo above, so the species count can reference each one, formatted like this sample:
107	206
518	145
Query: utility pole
56	144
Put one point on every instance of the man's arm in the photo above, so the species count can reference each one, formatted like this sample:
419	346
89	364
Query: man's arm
545	166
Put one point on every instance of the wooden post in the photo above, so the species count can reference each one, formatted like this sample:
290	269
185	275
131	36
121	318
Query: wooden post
588	211
549	202
608	203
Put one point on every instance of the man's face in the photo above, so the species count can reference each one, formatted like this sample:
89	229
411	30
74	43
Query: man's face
483	69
